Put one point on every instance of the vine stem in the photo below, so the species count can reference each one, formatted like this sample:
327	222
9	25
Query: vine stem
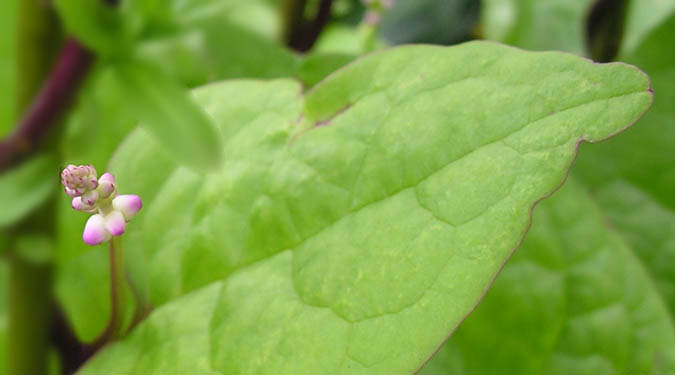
29	317
292	17
298	32
117	284
49	105
30	299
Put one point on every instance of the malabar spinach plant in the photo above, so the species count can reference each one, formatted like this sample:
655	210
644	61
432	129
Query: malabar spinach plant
315	201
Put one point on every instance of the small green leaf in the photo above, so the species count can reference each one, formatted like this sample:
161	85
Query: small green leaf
369	214
96	24
170	114
218	50
25	187
537	25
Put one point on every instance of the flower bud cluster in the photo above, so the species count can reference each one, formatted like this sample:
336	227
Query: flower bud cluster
375	8
100	197
79	179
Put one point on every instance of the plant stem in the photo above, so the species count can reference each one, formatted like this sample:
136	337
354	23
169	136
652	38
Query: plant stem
38	40
314	29
30	302
75	353
292	20
117	285
29	317
49	105
298	32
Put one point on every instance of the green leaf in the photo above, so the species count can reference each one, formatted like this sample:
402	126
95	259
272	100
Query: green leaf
217	50
537	25
317	66
339	39
96	24
174	341
643	18
633	175
637	164
371	213
7	65
165	109
25	187
574	299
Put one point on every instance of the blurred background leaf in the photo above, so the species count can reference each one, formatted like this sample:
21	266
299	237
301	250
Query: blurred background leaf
431	21
537	24
165	109
96	24
25	187
645	16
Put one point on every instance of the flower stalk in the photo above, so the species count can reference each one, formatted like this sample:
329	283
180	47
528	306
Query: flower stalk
110	214
117	285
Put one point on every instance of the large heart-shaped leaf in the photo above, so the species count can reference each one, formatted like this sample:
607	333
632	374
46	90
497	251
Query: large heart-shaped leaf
574	299
354	227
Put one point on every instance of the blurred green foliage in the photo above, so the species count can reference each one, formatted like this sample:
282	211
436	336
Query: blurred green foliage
591	291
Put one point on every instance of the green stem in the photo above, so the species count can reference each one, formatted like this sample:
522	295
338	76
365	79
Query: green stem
117	285
30	302
293	20
368	38
29	317
39	40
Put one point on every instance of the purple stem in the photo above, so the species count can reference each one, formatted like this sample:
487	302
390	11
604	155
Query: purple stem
49	105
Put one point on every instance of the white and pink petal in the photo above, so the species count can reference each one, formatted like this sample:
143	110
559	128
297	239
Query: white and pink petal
128	205
95	231
115	223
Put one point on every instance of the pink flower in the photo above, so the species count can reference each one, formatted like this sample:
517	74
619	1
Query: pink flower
111	211
100	227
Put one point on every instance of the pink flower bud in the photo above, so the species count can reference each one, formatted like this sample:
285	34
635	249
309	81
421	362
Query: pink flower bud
78	179
106	185
90	197
78	205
